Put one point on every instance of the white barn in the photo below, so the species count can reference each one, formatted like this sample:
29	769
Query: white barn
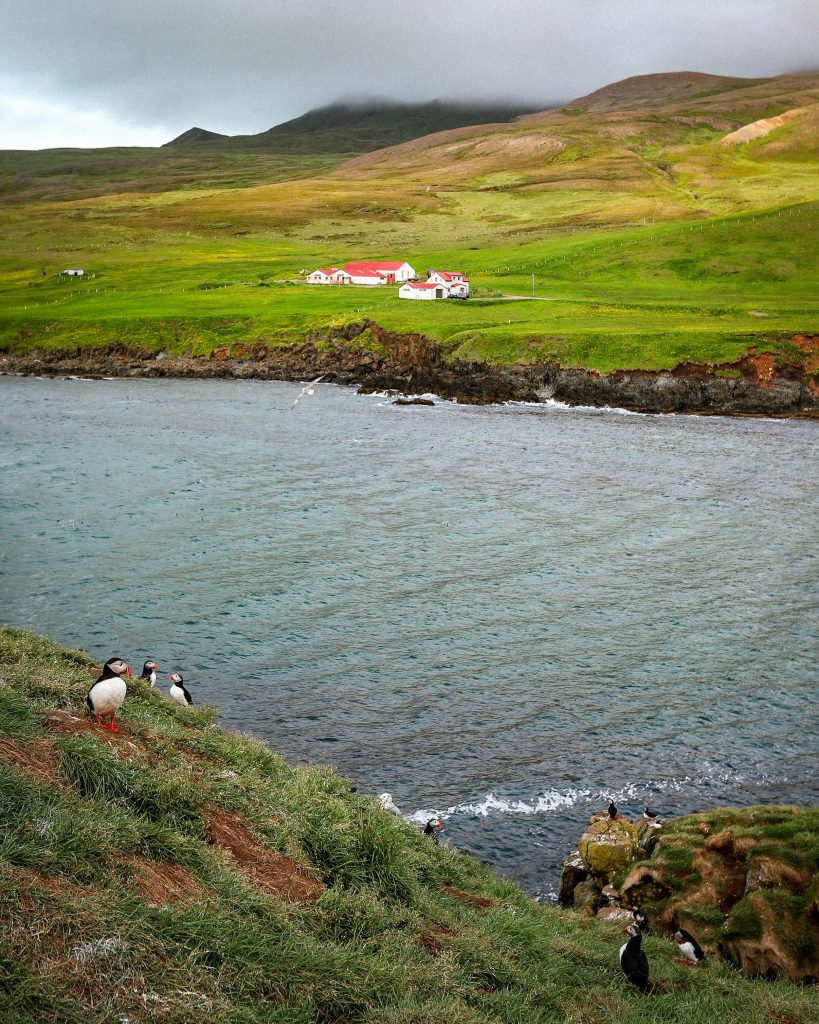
379	271
423	290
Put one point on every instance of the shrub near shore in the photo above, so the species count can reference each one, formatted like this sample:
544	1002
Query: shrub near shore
175	872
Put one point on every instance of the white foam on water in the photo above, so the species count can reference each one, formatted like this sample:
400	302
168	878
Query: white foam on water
552	800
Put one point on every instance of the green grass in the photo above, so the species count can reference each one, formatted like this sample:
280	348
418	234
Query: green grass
655	244
387	940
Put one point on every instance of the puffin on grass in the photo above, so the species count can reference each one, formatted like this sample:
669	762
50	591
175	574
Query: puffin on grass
177	690
149	672
633	960
691	950
433	827
107	694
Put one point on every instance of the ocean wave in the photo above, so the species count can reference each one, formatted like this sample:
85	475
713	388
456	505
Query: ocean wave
552	800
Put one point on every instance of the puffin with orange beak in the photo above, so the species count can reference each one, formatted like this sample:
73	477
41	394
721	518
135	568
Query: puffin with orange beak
107	694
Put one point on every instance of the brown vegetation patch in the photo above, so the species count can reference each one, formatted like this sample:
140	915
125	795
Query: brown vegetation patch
34	759
430	939
160	883
467	897
56	885
273	872
67	722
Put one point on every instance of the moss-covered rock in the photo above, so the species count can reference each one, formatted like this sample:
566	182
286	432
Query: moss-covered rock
608	845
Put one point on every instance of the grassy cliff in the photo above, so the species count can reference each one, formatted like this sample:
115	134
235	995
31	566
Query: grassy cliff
654	240
175	872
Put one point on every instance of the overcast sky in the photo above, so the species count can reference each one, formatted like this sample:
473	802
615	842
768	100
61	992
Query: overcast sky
138	72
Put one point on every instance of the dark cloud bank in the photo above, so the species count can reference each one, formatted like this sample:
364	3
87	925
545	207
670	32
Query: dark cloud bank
244	65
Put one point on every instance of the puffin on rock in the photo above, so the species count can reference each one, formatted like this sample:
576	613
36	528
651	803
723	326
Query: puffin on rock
107	694
633	960
689	947
177	690
149	672
612	809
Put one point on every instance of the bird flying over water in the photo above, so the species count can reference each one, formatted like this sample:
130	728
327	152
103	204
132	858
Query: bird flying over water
308	389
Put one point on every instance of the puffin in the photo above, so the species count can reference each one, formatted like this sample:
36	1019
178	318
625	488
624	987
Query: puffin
388	805
633	960
612	810
149	672
177	690
689	947
433	827
107	694
649	813
641	920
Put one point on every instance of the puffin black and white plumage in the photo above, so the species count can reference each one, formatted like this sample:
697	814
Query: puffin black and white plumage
433	827
107	694
149	672
612	810
177	690
689	947
649	813
633	960
641	920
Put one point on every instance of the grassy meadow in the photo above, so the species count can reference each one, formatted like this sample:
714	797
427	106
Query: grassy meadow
176	872
630	238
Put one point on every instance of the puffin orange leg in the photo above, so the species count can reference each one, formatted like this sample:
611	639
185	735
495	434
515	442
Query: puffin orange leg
112	727
99	721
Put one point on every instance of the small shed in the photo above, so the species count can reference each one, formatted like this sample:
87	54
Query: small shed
73	272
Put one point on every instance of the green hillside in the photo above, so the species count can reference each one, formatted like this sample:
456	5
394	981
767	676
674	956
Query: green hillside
361	127
655	241
175	872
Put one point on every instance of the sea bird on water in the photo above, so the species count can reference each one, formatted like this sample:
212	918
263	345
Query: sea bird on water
107	694
308	389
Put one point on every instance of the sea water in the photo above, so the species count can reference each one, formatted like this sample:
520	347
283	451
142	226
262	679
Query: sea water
505	615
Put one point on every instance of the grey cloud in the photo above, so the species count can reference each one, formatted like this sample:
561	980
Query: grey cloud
244	65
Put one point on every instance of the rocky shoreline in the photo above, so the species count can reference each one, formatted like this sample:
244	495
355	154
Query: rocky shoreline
365	355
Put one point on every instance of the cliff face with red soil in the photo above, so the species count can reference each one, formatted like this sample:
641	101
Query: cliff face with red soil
364	354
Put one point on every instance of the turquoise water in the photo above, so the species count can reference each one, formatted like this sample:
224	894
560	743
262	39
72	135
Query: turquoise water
503	614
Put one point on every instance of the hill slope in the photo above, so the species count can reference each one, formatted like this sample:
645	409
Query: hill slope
173	872
362	127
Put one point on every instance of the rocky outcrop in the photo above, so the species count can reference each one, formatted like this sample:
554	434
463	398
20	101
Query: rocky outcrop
366	355
744	882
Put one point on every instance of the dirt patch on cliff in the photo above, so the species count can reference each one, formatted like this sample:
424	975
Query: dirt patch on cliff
34	758
161	884
430	940
481	902
273	872
67	723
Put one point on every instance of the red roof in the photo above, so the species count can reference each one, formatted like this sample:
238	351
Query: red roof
373	267
326	270
421	284
447	275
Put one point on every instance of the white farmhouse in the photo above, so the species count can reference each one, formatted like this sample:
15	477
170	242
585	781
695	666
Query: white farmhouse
73	272
423	290
456	282
329	275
